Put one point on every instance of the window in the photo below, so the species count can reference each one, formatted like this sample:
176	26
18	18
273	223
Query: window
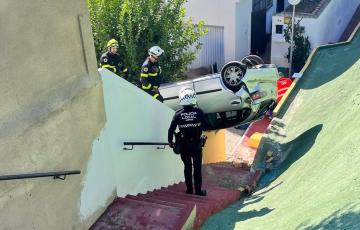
279	29
302	29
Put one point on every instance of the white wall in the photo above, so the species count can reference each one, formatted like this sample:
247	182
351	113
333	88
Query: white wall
131	116
216	13
243	28
278	45
331	23
327	28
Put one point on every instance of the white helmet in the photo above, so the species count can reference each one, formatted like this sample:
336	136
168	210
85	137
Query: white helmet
156	51
187	96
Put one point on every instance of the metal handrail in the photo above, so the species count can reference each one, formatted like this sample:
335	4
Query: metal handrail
56	175
145	143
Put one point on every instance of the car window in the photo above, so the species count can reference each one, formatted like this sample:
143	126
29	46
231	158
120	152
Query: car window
228	119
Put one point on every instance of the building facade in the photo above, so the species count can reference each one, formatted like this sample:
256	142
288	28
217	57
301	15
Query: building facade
236	28
229	24
323	21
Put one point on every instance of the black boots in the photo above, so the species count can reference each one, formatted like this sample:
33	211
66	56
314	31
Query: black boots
201	193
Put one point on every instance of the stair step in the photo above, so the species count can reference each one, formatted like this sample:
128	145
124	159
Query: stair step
213	206
150	199
202	209
126	213
227	168
171	207
216	194
181	186
183	195
186	209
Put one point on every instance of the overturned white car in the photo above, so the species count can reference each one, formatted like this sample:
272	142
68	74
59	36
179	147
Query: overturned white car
243	92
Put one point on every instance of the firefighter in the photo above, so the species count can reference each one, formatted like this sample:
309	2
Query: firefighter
111	60
150	76
191	123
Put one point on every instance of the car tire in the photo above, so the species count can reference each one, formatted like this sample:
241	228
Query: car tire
232	74
252	60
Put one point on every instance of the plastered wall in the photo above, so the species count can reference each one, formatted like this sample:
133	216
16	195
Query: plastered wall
131	116
51	110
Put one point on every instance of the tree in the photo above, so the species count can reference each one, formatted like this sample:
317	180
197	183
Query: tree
140	24
104	15
301	48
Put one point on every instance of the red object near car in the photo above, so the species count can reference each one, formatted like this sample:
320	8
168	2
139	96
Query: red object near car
283	85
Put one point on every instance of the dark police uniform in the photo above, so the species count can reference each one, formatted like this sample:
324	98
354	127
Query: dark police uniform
113	63
150	78
191	122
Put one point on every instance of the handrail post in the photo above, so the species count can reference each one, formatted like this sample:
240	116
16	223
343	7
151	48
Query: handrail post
132	147
163	144
161	147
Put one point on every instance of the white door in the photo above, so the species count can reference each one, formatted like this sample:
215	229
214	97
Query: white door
212	50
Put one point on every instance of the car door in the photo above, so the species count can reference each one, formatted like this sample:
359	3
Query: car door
212	96
170	93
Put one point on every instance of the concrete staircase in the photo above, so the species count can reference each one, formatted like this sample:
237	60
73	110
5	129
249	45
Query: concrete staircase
171	207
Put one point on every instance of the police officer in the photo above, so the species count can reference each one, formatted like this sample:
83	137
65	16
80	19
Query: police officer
111	59
150	76
191	123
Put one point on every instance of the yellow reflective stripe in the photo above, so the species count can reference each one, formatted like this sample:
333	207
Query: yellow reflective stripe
146	87
109	66
156	95
144	75
153	74
155	86
125	70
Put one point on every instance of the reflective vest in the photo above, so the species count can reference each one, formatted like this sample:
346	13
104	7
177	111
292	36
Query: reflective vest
113	63
150	76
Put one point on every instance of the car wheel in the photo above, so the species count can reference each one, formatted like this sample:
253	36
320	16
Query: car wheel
252	60
232	74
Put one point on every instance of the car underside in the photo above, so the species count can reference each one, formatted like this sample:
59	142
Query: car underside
242	92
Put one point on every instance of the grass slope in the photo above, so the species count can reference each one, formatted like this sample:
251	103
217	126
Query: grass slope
317	185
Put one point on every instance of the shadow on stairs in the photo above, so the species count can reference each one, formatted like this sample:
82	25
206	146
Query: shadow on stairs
171	207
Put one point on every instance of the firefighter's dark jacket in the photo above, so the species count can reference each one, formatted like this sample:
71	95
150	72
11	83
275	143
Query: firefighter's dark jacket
150	76
191	122
113	63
